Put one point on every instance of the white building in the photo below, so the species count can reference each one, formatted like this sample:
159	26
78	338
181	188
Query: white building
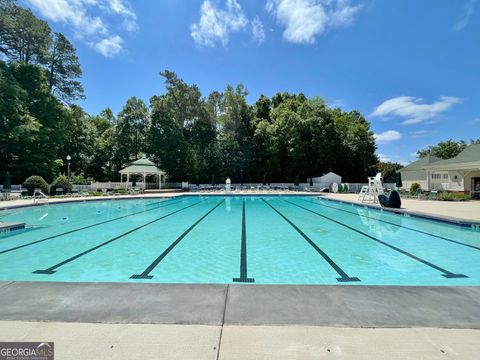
327	178
461	173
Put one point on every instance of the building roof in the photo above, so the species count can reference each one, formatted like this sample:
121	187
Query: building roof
421	163
470	154
141	166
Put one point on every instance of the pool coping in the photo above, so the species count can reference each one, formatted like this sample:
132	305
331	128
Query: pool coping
360	306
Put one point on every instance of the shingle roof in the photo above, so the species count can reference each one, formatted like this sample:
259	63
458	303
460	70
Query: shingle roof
142	165
470	154
420	163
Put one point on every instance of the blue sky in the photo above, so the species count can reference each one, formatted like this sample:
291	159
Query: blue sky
411	67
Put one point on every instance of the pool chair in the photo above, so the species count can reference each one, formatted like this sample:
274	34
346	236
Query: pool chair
59	191
432	195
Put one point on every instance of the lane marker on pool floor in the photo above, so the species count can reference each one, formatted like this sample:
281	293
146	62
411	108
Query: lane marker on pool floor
153	265
446	273
243	252
401	226
51	269
89	226
343	275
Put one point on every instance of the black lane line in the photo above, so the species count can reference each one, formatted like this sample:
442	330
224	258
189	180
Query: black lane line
402	226
343	275
89	226
446	273
243	252
52	270
153	265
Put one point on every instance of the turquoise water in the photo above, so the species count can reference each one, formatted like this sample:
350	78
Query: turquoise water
216	239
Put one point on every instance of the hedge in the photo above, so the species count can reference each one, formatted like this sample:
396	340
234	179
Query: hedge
35	182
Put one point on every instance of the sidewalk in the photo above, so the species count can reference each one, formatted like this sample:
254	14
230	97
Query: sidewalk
154	341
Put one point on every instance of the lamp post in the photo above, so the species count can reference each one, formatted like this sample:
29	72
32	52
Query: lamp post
68	165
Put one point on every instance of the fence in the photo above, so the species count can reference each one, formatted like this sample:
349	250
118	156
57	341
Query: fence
353	187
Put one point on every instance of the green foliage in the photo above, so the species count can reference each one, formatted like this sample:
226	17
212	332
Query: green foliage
63	69
388	170
23	37
35	182
414	187
61	182
80	179
446	149
190	137
452	196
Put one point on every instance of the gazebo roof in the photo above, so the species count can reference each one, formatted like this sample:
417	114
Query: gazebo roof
141	166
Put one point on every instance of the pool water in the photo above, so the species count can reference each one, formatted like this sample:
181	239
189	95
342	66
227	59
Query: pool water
234	239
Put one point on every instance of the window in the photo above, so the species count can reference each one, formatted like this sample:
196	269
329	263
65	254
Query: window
440	176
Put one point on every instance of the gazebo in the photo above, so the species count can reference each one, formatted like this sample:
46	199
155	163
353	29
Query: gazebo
143	167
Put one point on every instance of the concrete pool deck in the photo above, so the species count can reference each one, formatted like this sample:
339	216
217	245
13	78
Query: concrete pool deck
183	321
466	210
198	342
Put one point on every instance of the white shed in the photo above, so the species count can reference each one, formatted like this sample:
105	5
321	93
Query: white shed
331	177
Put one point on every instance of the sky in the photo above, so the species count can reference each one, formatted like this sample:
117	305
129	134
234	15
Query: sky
411	67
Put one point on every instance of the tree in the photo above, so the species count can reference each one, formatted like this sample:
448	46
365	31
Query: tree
166	143
133	124
63	69
444	149
389	171
23	37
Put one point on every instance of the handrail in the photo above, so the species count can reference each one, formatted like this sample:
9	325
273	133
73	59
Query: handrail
42	197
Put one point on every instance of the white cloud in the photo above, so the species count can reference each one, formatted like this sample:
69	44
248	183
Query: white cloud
109	47
387	136
396	159
337	103
384	158
91	20
412	110
305	19
129	17
469	10
423	133
216	25
258	32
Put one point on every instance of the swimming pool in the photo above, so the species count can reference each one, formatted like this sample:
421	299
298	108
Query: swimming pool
235	239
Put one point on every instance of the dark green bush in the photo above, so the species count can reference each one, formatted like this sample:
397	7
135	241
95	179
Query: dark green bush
61	182
80	179
452	196
35	182
413	188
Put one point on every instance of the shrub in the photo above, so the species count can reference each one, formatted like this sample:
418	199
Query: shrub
80	179
452	196
61	182
414	187
35	182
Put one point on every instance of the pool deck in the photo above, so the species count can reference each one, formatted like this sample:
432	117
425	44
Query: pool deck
464	210
243	321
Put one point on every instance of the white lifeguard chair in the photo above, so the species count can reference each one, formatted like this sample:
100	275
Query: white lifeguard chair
370	192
